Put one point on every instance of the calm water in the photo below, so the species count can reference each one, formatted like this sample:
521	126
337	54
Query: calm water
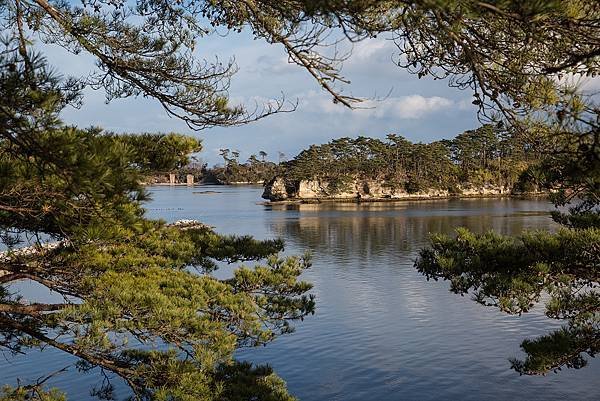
381	331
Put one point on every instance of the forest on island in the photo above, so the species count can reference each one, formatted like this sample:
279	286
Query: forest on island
487	156
233	171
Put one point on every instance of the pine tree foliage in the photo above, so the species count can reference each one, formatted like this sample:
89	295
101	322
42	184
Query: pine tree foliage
510	54
487	156
81	186
150	48
233	171
139	299
513	274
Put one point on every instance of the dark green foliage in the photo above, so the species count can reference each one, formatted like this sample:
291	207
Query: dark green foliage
235	248
485	156
160	152
30	394
513	273
243	376
139	299
560	348
254	171
573	171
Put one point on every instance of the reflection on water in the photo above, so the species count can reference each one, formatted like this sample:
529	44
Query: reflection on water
369	229
381	332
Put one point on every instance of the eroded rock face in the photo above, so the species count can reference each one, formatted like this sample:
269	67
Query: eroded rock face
277	190
485	190
314	189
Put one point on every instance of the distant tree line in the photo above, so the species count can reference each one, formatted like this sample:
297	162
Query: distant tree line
253	171
489	155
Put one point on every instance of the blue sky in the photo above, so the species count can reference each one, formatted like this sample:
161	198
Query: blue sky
420	109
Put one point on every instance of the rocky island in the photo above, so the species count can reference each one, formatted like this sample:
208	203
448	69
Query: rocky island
369	190
488	161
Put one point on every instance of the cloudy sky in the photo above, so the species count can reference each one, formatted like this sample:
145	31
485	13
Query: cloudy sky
419	109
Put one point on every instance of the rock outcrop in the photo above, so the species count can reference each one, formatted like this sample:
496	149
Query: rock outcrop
275	190
368	190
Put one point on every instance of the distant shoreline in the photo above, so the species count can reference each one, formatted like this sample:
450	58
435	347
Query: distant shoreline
201	184
403	199
333	199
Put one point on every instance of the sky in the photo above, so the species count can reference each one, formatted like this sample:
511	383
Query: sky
419	109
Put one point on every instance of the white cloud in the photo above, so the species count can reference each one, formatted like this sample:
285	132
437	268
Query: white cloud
370	49
273	65
404	107
411	107
590	85
467	104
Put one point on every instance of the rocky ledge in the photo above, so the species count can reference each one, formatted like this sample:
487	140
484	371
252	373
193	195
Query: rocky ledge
279	189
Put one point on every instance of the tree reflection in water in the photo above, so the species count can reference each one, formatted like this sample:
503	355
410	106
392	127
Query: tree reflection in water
513	279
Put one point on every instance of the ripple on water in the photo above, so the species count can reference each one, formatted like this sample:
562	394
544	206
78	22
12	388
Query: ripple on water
381	331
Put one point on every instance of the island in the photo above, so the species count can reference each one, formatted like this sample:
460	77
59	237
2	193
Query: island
487	161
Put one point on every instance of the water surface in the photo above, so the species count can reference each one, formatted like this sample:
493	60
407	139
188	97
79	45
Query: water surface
381	330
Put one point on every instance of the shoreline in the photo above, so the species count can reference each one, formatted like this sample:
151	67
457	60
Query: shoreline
293	201
333	199
202	184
